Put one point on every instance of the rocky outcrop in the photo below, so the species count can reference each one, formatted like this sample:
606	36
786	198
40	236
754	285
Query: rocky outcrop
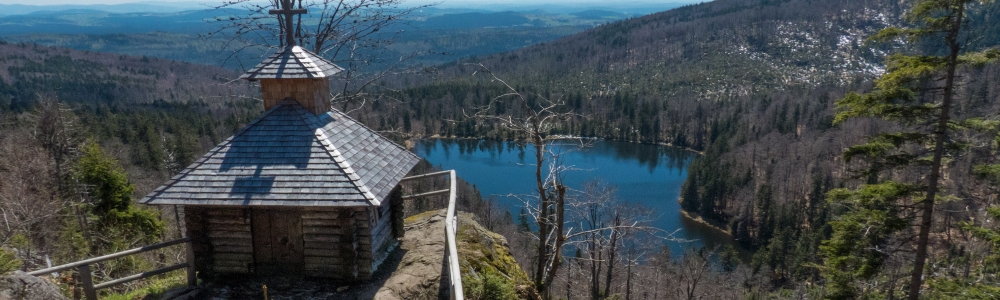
21	286
418	274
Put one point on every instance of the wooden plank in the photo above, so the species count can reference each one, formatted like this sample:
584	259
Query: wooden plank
192	275
246	248
310	252
278	241
316	261
324	215
108	257
142	275
321	246
229	227
286	229
232	256
322	238
322	222
88	282
217	242
225	221
230	235
261	220
320	230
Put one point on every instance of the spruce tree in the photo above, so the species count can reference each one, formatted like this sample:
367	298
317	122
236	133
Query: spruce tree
917	92
110	194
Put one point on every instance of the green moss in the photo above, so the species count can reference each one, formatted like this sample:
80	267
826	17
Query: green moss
420	216
8	262
487	263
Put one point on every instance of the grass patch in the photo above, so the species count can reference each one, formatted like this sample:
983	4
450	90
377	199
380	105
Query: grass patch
153	287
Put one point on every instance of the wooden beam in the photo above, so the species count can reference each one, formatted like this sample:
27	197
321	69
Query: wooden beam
108	257
427	194
87	280
421	176
140	276
192	275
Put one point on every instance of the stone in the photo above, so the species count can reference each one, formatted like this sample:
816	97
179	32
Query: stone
19	285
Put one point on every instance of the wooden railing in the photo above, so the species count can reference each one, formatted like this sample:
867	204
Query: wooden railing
87	280
450	229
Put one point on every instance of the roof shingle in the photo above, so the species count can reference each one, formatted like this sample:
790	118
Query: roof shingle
291	157
292	62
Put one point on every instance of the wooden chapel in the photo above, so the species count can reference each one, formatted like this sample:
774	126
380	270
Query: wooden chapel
302	190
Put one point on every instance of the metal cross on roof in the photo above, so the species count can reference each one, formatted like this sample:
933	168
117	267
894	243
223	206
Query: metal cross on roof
288	12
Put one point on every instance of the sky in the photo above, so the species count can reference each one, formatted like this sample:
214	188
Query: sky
443	2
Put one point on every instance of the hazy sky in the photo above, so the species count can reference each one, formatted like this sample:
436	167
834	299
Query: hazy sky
444	2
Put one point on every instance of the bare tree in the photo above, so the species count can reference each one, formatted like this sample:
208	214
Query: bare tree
56	129
354	34
534	119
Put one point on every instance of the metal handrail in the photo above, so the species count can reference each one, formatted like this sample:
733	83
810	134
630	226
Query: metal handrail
107	257
90	289
450	229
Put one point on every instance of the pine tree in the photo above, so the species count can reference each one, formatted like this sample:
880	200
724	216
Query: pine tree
986	284
917	92
111	197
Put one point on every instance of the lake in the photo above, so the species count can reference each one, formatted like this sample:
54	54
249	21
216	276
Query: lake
648	174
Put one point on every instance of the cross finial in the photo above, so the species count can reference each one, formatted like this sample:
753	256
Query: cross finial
286	9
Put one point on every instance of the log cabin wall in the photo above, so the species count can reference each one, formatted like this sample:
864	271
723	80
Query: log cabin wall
364	216
383	239
337	243
221	239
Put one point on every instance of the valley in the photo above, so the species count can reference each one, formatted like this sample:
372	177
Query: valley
801	149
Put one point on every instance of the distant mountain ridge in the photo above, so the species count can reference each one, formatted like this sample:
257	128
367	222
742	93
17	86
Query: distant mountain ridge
450	33
148	6
758	44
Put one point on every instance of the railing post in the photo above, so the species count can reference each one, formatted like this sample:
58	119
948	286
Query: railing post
192	276
88	283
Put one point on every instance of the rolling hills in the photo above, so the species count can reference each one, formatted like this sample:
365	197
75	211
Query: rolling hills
751	84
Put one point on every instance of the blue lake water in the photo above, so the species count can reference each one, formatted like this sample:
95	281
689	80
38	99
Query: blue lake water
648	174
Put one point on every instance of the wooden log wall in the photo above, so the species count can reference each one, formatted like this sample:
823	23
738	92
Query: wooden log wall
337	243
232	240
363	224
221	239
383	239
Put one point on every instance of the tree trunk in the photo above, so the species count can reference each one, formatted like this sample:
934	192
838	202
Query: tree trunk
628	278
927	207
560	216
543	214
569	279
611	254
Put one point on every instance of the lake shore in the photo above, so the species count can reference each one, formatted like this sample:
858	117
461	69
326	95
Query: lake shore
693	216
411	141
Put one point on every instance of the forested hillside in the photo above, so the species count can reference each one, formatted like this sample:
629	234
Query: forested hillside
82	134
751	85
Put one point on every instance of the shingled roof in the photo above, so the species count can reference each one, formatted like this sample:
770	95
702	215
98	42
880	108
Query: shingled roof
291	157
292	62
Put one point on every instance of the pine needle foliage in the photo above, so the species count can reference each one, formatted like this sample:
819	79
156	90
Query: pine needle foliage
917	92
